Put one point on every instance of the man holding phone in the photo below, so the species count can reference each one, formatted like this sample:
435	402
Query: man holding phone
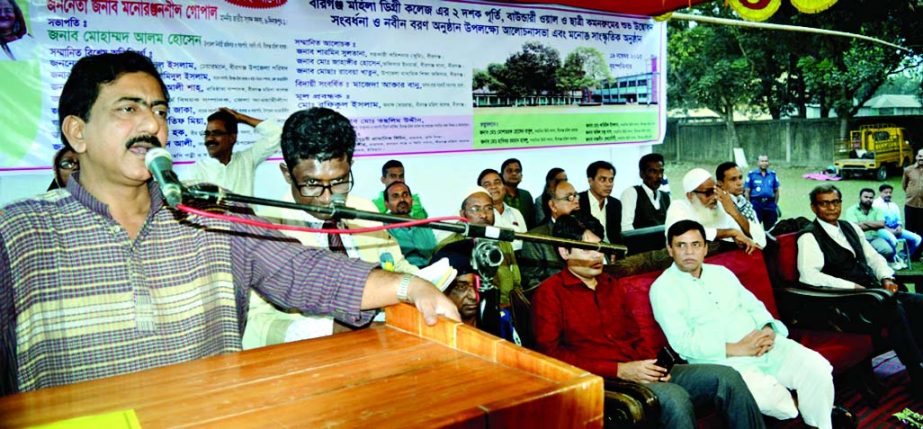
581	317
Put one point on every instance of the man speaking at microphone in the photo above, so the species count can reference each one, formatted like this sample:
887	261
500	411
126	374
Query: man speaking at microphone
101	278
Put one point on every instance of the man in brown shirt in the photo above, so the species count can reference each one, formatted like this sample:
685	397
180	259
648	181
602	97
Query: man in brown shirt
913	188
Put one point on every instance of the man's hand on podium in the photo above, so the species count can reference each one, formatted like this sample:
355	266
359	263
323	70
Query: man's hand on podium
383	288
431	302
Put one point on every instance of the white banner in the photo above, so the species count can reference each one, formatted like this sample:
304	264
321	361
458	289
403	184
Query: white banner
414	77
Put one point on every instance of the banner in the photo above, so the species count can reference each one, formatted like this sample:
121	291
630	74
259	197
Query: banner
414	77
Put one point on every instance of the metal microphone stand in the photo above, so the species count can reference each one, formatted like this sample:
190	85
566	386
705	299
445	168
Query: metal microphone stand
215	194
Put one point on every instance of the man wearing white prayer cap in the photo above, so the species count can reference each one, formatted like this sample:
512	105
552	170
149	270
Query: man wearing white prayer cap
701	205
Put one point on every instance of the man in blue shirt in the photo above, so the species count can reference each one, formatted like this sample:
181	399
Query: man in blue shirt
762	189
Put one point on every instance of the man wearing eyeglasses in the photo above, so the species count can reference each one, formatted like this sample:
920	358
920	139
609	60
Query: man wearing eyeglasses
317	148
538	261
834	253
701	205
224	167
478	208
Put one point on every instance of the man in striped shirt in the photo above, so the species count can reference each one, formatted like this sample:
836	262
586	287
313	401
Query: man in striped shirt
101	278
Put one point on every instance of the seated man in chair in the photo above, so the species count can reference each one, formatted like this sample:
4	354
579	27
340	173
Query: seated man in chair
832	253
580	316
709	317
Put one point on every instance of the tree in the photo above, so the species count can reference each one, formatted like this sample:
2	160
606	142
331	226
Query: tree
531	71
792	70
706	67
585	67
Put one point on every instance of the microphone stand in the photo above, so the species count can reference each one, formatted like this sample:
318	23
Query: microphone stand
214	194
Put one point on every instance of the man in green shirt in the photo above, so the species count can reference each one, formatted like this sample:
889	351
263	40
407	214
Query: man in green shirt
417	242
393	171
870	219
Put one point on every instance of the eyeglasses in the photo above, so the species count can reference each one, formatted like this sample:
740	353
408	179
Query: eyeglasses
215	133
828	203
706	193
66	164
337	186
480	209
569	197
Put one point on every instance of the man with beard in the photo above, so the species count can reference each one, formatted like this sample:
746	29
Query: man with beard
894	227
832	253
701	205
226	168
393	171
730	179
538	261
417	242
581	316
871	220
146	285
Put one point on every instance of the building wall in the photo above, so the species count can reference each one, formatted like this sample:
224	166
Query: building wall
790	141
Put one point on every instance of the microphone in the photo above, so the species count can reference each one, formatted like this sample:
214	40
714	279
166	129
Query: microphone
387	261
160	164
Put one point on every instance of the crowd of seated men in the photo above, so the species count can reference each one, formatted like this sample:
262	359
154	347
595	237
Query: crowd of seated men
577	309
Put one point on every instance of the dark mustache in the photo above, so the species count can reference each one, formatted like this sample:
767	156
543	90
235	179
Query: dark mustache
143	139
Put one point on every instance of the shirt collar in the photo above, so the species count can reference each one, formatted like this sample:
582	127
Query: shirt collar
684	275
652	194
89	201
830	229
569	280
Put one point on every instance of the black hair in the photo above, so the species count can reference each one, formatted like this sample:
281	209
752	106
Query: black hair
723	168
824	189
508	162
594	168
230	122
488	171
90	73
573	226
682	227
554	172
19	26
459	255
317	133
647	159
864	190
884	186
392	163
388	188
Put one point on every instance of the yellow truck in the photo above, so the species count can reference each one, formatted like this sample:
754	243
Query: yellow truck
872	149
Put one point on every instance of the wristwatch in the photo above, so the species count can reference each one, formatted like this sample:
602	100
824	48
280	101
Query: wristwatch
402	288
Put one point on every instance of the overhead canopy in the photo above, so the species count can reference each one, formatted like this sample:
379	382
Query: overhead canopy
632	7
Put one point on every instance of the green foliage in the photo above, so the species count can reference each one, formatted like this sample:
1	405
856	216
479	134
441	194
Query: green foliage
532	71
706	68
790	70
583	68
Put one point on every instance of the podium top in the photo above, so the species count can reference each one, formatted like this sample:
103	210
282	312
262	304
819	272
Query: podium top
405	374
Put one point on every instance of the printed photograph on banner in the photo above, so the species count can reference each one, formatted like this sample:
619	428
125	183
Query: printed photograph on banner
420	76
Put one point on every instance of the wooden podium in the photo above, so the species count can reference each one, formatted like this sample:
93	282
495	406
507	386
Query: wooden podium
405	374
